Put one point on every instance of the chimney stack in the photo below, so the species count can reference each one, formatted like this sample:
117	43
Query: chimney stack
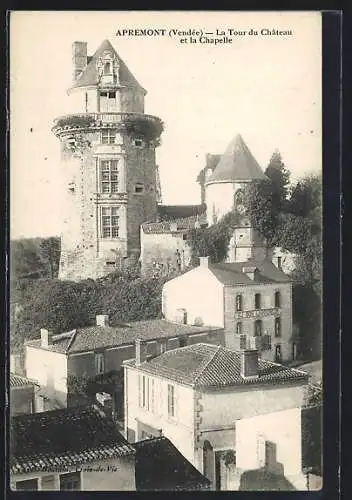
79	58
204	261
46	337
249	363
141	351
102	320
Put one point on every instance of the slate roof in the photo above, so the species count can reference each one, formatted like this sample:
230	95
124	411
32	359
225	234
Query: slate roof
231	273
63	438
182	225
96	337
19	381
171	212
236	164
160	466
205	366
89	75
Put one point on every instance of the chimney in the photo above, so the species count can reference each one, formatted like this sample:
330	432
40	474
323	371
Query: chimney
102	320
141	351
79	58
250	271
46	337
249	363
204	261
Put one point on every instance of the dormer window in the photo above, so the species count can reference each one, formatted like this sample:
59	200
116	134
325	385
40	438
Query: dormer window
138	143
107	68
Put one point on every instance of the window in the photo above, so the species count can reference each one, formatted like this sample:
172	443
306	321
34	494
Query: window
239	303
258	328
239	328
171	400
138	143
27	485
139	188
107	68
144	392
108	136
277	327
257	301
70	481
48	483
110	222
109	176
99	362
277	299
182	341
278	354
279	262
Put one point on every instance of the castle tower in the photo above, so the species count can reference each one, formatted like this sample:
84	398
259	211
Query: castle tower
224	186
108	155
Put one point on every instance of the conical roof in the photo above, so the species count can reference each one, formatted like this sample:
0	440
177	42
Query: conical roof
236	164
89	76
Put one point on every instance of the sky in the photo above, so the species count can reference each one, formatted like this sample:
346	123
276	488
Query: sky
267	88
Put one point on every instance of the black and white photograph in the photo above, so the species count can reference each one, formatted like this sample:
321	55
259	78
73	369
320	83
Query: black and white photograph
165	251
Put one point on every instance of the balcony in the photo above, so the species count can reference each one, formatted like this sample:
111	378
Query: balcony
149	126
260	343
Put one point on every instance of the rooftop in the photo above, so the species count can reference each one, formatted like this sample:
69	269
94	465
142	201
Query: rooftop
63	438
160	466
89	76
20	381
236	164
231	273
170	212
182	225
95	337
208	366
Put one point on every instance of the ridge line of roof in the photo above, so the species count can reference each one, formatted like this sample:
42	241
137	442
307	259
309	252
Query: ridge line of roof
207	363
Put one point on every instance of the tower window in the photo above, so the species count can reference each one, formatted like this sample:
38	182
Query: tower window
258	328
257	301
138	143
108	136
239	328
239	303
277	299
277	327
139	188
110	222
109	176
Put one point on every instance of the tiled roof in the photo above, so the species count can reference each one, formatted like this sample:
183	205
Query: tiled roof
95	337
236	164
160	466
231	273
19	381
89	75
205	365
63	438
181	225
171	212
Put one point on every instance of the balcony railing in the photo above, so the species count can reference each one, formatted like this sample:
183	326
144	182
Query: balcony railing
83	120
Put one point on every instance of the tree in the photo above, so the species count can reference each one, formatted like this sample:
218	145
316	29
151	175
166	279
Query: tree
261	210
24	259
280	178
212	241
306	196
49	251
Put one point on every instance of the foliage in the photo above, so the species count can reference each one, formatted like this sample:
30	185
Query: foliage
212	241
78	385
306	196
312	431
279	176
261	210
50	249
79	121
139	125
63	305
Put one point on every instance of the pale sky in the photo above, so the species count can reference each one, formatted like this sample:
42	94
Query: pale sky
267	88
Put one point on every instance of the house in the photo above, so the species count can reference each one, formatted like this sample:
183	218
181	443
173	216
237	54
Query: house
161	467
22	394
69	449
228	412
251	300
97	352
164	245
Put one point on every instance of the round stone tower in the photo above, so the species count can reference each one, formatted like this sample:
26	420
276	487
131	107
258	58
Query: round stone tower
108	155
224	185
